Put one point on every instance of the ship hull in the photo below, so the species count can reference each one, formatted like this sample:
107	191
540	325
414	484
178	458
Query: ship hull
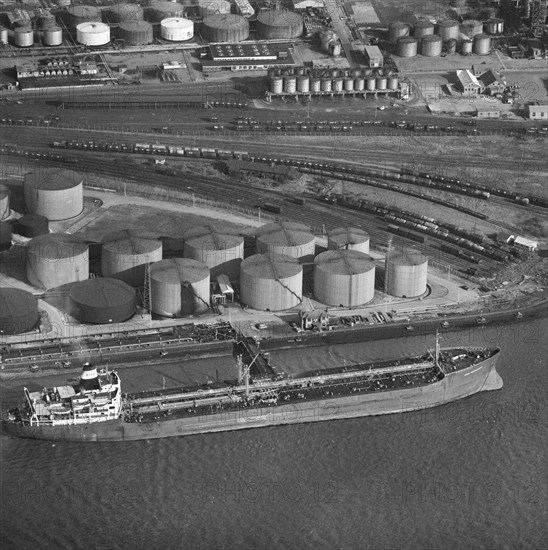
479	377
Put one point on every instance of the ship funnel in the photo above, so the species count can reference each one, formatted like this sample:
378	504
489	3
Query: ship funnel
89	379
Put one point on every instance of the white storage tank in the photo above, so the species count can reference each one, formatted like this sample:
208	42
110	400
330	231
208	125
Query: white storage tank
125	254
277	85
287	239
176	29
406	273
93	33
221	251
271	282
55	193
348	238
56	259
344	278
179	287
24	37
3	36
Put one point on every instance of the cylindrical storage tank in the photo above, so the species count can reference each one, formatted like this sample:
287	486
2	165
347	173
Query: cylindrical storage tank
337	85
431	46
93	34
335	49
326	84
56	193
290	84
3	36
448	29
407	47
348	84
125	255
491	26
18	311
344	278
52	35
335	73
277	85
4	202
24	37
397	30
179	287
471	27
102	301
348	238
227	27
422	29
159	11
303	84
482	44
466	47
83	14
176	29
5	236
271	281
31	225
451	46
279	24
370	83
57	259
392	83
315	84
136	33
381	83
213	7
222	252
325	38
359	84
286	239
406	273
125	13
500	25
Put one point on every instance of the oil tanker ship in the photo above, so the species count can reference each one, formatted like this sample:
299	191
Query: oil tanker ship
96	410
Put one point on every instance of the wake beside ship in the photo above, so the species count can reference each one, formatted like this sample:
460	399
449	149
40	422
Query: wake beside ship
96	410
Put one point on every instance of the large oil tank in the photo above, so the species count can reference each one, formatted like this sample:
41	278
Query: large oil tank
422	28
287	239
471	27
52	35
102	300
392	83
359	84
271	281
315	84
290	84
179	287
276	86
381	83
93	33
4	202
83	14
31	225
221	251
56	259
482	44
5	236
407	47
176	29
279	24
56	193
348	84
448	29
431	46
370	83
348	238
344	278
125	13
397	30
326	84
303	84
23	37
18	311
406	272
135	33
159	11
337	85
227	27
466	47
125	254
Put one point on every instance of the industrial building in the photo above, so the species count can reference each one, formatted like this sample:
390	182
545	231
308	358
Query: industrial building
468	83
54	193
221	251
18	311
56	259
373	56
538	112
344	278
179	287
102	300
348	238
286	239
243	56
406	273
125	255
271	282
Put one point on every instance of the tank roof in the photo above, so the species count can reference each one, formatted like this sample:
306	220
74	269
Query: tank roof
102	292
408	256
271	266
285	234
423	23
32	220
432	38
348	235
176	22
57	245
224	20
208	234
279	18
344	262
135	25
407	40
179	270
84	10
448	23
54	179
15	302
131	242
167	6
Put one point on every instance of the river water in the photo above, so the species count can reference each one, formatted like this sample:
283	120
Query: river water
467	475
